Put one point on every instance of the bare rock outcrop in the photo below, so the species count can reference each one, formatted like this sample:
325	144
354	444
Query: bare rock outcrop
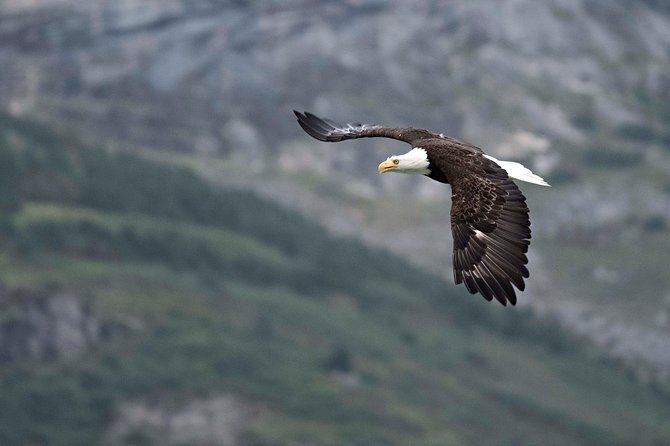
42	325
216	420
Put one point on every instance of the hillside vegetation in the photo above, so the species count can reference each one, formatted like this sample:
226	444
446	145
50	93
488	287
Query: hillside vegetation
328	341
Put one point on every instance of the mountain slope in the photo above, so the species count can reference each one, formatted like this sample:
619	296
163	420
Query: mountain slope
244	306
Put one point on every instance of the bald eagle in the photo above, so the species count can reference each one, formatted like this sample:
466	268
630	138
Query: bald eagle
489	216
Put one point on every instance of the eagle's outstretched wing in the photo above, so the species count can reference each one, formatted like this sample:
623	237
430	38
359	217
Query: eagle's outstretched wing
489	216
491	231
329	131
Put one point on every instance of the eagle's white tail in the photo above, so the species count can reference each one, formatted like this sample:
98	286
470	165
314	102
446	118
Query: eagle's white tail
519	172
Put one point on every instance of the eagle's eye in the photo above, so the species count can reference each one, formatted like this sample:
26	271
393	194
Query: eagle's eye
396	162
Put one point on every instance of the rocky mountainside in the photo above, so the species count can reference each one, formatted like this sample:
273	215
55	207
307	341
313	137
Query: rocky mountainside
546	82
222	74
40	325
577	89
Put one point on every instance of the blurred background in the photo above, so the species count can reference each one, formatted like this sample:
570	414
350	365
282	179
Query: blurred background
181	265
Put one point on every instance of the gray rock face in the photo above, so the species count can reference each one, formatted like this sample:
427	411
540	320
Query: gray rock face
172	74
38	325
217	420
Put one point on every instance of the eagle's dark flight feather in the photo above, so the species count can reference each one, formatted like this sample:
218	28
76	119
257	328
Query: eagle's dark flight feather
329	131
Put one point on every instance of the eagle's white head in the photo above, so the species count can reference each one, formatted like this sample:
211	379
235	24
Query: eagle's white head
414	161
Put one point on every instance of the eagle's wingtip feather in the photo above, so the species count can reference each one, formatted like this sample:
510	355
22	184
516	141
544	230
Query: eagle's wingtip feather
312	125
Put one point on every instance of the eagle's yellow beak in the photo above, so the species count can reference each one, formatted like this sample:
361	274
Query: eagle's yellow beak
386	166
